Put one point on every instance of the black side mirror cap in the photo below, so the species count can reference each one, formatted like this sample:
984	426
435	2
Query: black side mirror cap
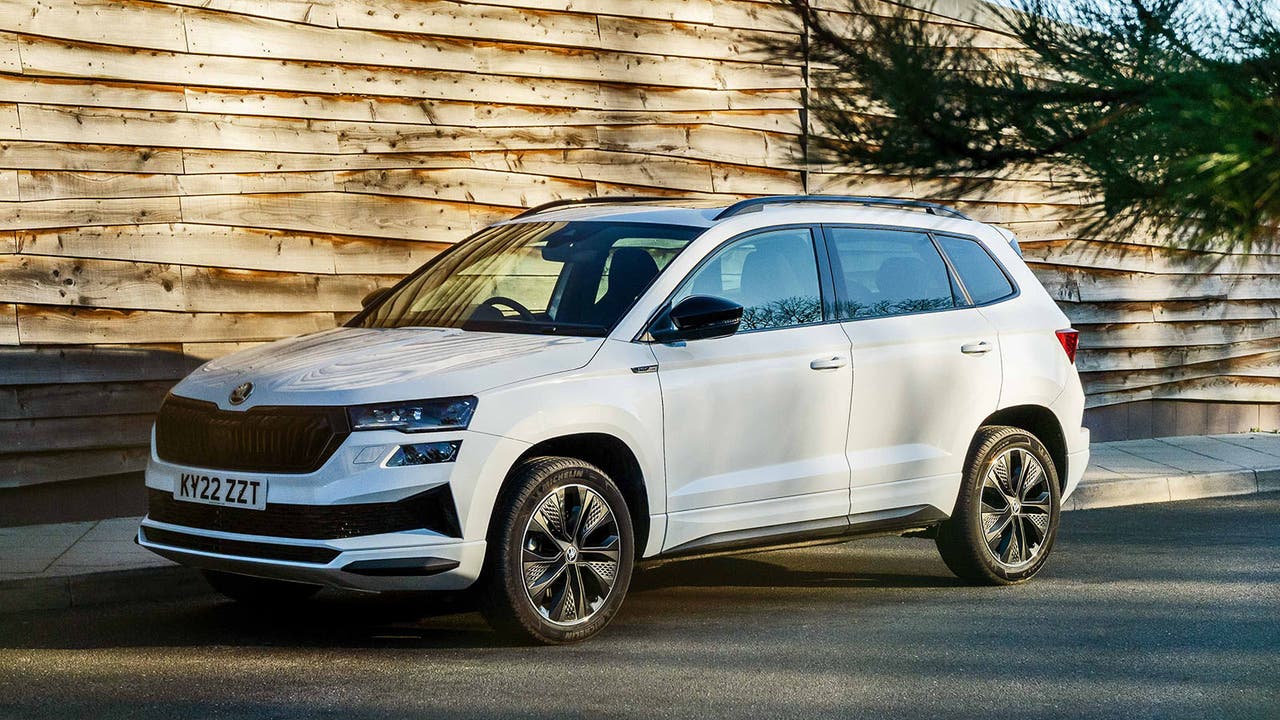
699	317
374	297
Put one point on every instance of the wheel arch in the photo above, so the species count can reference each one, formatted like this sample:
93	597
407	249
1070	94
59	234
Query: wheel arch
612	455
1041	422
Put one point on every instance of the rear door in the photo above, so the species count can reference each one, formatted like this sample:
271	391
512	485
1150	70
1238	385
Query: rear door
926	367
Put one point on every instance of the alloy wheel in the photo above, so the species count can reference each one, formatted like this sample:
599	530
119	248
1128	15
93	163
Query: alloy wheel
1016	508
570	554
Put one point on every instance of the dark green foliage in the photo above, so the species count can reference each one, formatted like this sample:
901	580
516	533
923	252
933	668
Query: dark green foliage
1168	111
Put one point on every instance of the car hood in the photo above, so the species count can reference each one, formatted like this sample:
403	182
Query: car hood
350	366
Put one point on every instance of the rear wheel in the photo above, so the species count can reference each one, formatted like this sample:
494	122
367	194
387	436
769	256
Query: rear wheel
1006	516
258	591
560	553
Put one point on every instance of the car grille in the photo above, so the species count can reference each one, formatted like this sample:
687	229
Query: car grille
262	439
240	548
431	510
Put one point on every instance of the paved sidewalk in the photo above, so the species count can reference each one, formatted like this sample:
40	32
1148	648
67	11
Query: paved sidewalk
52	566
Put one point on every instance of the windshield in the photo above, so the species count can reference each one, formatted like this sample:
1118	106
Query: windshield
559	278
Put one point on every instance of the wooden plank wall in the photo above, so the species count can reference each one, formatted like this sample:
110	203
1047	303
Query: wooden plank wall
180	178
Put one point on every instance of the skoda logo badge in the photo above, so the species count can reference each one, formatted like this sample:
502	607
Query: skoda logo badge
241	393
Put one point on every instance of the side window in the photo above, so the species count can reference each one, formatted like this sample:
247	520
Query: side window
889	272
773	275
984	280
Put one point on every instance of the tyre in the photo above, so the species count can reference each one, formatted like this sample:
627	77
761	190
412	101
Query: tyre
560	555
1006	516
258	591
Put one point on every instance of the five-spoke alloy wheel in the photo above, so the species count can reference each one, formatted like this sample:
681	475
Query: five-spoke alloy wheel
561	551
1006	516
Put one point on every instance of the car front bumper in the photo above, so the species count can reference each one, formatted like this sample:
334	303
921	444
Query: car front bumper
352	548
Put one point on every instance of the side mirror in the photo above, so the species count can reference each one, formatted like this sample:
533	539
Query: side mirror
374	297
700	317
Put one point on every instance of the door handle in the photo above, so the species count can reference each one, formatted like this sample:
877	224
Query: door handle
978	348
830	362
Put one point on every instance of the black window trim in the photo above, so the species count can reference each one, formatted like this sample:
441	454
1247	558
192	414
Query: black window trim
954	276
826	281
1017	290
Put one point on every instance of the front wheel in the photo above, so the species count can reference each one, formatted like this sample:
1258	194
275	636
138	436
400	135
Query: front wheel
1006	516
560	555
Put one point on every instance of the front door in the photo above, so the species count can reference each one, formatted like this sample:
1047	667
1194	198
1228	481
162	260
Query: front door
926	368
755	424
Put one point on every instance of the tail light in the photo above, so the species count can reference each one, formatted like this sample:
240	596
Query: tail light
1070	340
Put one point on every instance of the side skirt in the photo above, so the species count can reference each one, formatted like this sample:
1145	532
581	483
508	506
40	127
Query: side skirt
812	532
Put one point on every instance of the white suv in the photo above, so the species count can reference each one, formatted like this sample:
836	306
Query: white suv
601	382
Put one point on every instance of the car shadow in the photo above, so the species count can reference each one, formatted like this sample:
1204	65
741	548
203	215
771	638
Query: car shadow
428	620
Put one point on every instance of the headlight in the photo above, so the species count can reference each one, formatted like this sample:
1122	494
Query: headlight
415	415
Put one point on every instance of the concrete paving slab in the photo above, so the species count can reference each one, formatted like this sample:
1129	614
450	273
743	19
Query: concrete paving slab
1229	452
112	530
1268	443
105	554
1127	463
1185	458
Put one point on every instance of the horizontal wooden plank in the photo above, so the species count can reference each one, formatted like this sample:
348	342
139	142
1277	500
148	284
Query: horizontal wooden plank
8	242
61	58
92	364
1212	389
1265	365
311	12
81	400
1146	258
10	62
8	325
1092	359
484	186
725	13
605	166
206	351
39	468
1197	311
139	24
470	20
73	91
85	326
83	157
244	248
53	123
347	213
47	184
9	127
9	185
44	280
66	213
1096	285
59	185
74	433
1167	334
383	257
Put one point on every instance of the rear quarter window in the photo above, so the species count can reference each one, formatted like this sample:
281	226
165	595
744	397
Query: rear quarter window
981	276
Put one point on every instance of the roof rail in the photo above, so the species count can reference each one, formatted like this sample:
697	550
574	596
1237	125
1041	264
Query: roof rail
617	199
759	203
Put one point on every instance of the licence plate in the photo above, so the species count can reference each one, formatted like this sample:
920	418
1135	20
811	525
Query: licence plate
225	491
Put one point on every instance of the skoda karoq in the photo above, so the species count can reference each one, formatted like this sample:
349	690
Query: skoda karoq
594	384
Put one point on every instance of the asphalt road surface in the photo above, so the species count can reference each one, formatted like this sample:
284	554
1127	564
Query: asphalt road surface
1169	611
